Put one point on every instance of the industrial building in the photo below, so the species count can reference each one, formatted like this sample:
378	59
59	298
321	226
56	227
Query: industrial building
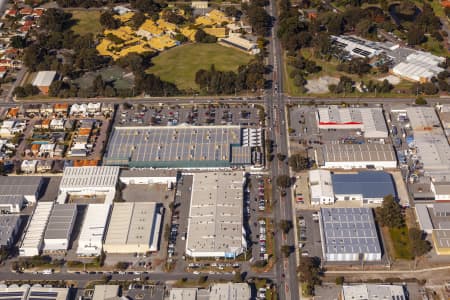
183	294
368	187
134	227
356	46
148	176
321	187
105	292
441	190
178	147
373	291
33	240
35	292
9	229
229	290
59	227
355	156
27	186
369	120
419	66
11	203
215	224
43	80
89	181
349	235
240	43
93	229
441	241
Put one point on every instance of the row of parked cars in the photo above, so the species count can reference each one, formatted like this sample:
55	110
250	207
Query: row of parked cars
262	201
262	240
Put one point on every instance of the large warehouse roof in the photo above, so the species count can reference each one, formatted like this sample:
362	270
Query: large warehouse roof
320	183
25	292
370	184
358	153
181	146
8	226
61	221
373	291
134	224
419	66
93	229
32	242
422	118
230	290
349	230
19	185
368	119
216	215
85	177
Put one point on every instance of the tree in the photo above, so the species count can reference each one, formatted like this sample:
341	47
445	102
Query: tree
18	42
281	156
309	270
286	250
121	265
390	214
237	277
298	162
285	225
419	246
55	20
202	279
137	20
340	280
283	181
202	37
415	36
108	21
421	101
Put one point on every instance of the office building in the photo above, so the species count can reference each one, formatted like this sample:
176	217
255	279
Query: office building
373	292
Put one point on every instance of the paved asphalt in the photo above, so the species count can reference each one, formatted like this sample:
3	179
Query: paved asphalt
286	269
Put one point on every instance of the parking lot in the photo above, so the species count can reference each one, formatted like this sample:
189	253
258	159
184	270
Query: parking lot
309	234
147	115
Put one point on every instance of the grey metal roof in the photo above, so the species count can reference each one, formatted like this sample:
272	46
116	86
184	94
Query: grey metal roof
349	230
441	208
44	78
19	185
180	146
8	224
11	199
370	184
364	152
60	222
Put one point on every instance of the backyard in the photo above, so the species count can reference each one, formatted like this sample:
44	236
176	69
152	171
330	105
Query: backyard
179	65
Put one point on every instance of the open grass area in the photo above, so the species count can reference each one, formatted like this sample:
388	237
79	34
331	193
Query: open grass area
434	46
86	21
179	65
401	243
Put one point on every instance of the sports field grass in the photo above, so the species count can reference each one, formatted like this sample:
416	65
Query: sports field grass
86	21
179	65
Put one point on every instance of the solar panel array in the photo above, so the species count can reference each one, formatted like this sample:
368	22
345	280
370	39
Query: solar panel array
349	230
166	146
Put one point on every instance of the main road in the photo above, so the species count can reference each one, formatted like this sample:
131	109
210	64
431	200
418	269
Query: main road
286	268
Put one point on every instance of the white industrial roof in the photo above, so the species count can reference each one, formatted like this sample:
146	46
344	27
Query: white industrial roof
358	153
230	291
105	292
36	227
25	292
321	184
101	176
183	294
419	66
216	213
94	223
44	78
239	42
373	291
422	118
368	119
134	223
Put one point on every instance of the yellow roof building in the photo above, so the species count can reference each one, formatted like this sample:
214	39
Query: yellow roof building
124	32
151	27
167	26
218	17
219	32
125	17
189	33
161	43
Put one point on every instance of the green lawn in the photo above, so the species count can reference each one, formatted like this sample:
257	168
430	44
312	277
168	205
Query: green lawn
401	243
86	21
179	65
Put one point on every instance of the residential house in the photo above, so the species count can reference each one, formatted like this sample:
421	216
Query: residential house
44	166
28	166
57	124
